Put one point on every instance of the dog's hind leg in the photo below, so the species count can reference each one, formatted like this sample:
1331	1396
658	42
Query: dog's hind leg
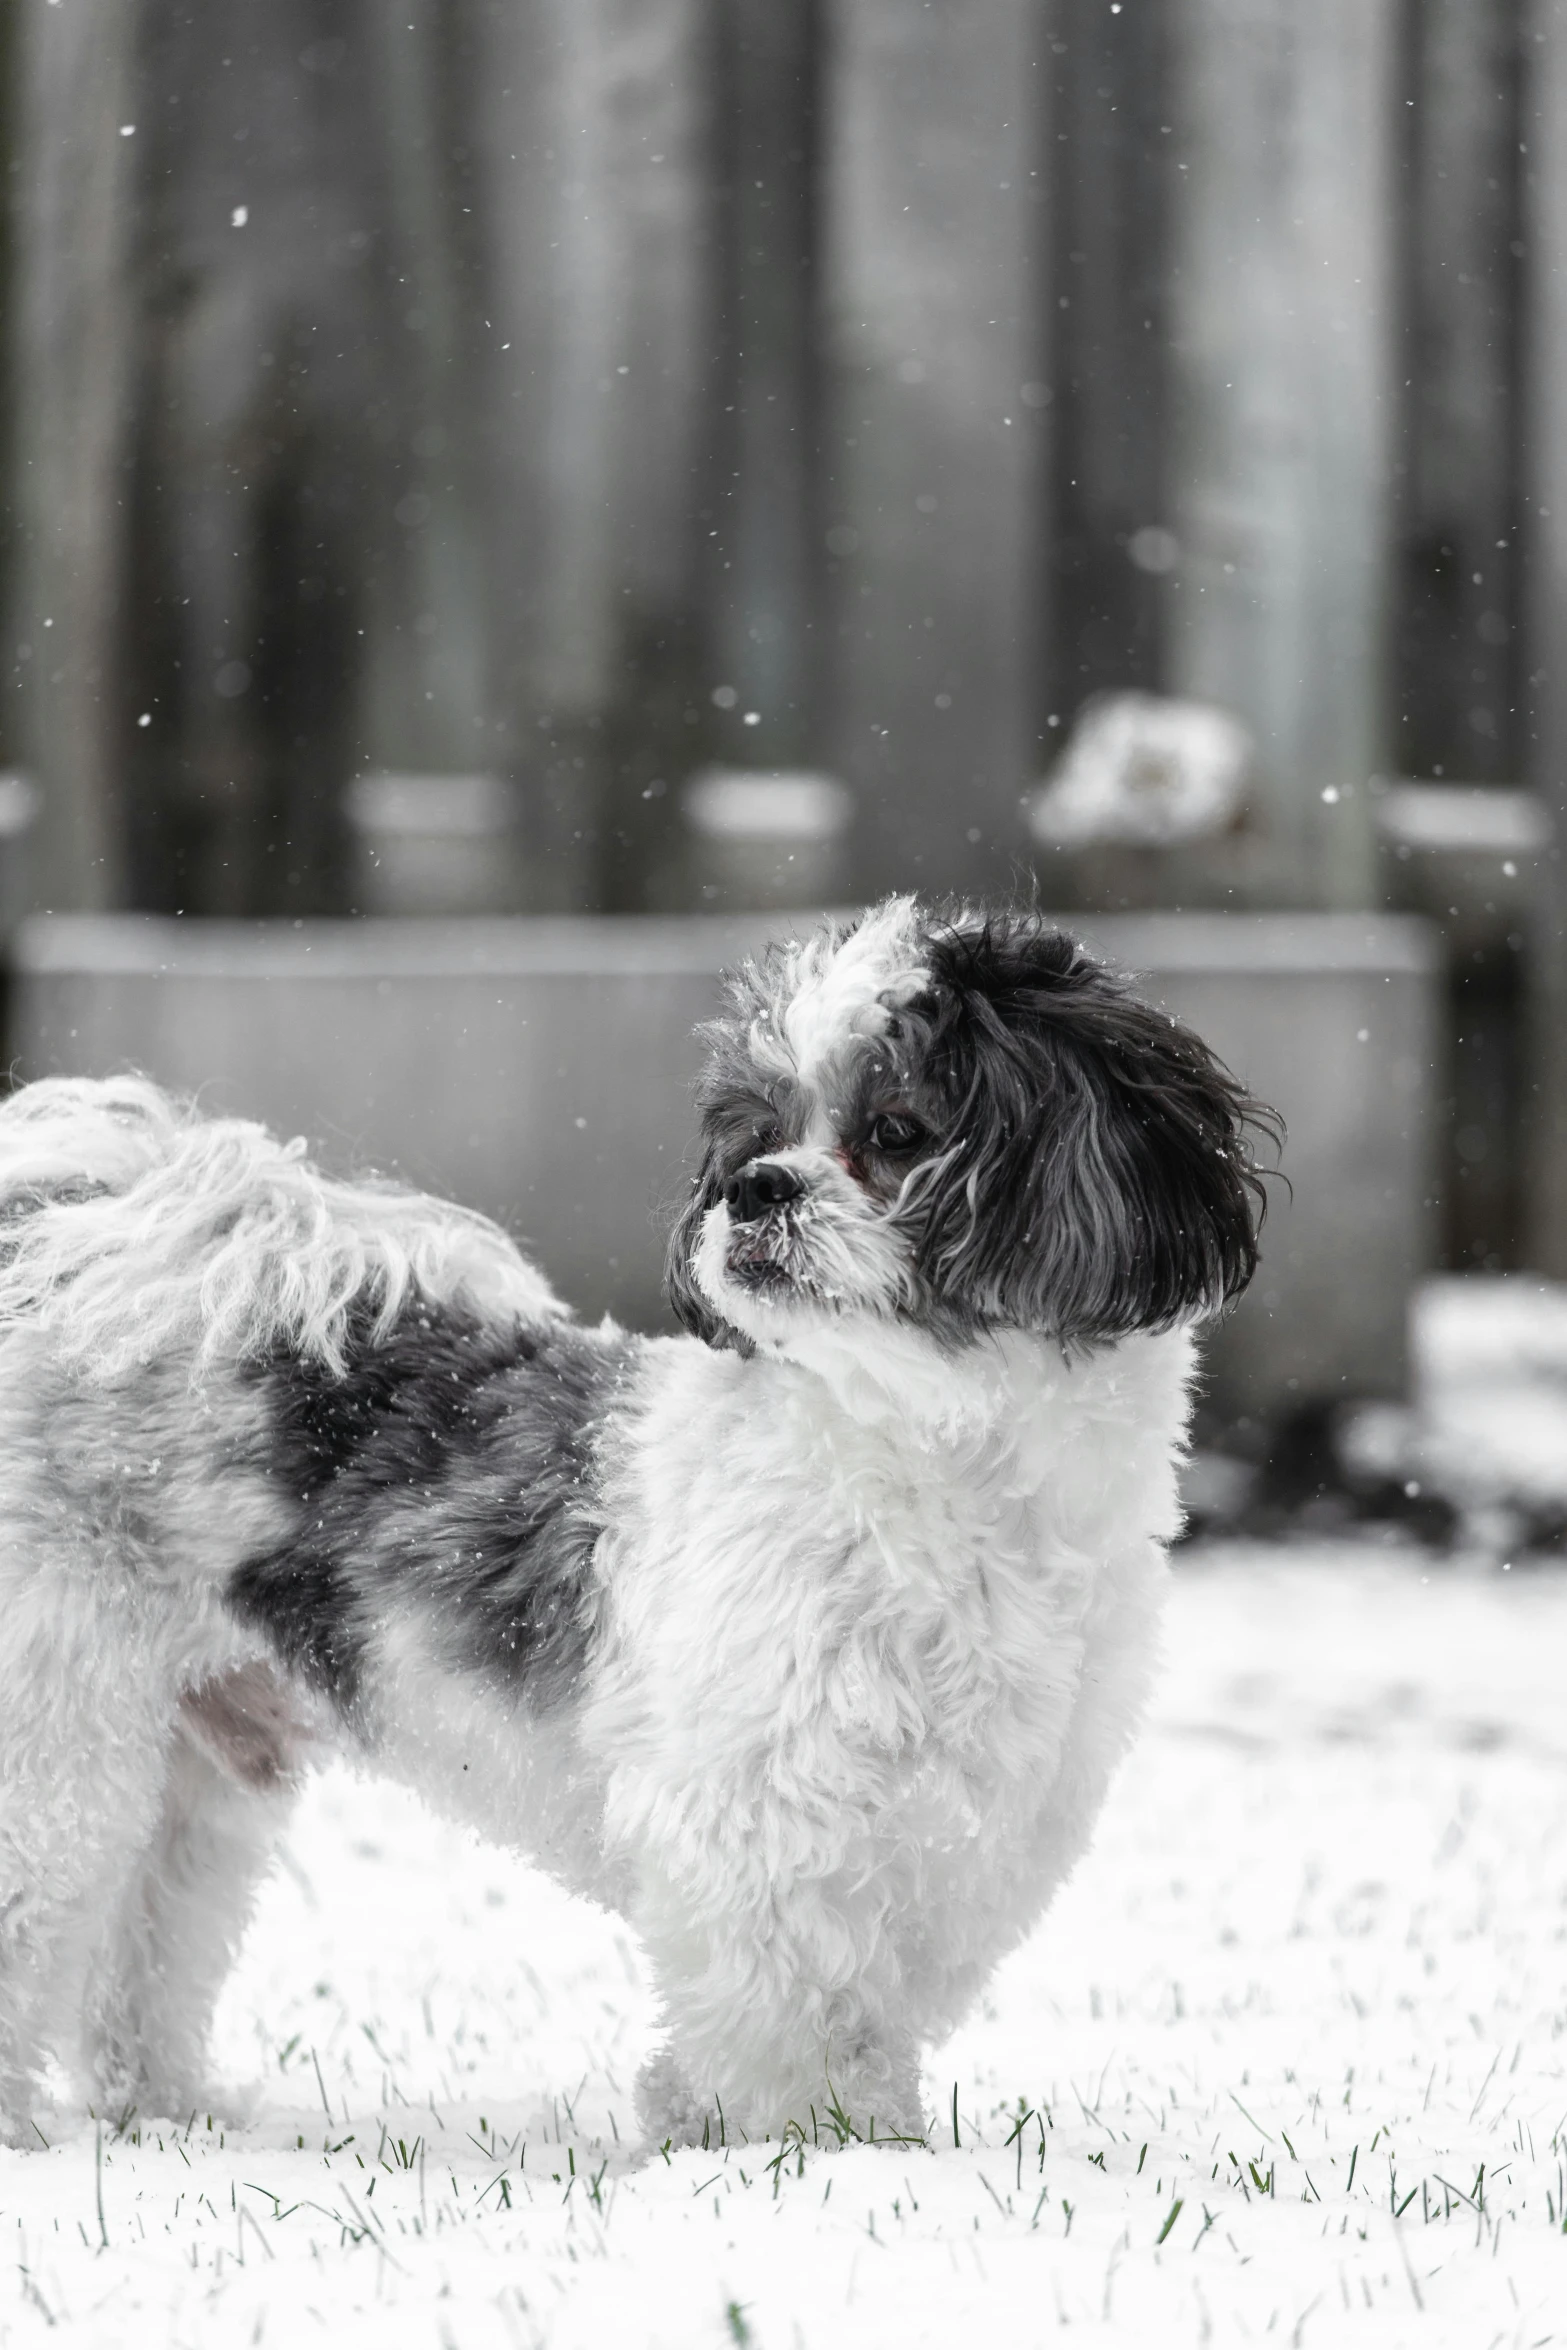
81	1776
155	1982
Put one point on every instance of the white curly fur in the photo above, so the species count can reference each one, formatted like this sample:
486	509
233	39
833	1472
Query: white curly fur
238	1244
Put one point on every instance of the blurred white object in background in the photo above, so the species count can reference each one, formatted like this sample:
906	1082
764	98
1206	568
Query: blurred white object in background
1144	771
1462	819
18	810
762	840
1487	1429
1466	853
433	844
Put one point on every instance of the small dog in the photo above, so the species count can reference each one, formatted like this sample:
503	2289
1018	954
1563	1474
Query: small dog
808	1641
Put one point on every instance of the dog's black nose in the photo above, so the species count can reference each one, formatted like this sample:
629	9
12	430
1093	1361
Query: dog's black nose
762	1185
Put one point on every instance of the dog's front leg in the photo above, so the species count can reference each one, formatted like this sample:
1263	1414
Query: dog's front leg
783	2010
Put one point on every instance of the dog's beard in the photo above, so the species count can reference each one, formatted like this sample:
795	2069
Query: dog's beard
771	1258
831	1253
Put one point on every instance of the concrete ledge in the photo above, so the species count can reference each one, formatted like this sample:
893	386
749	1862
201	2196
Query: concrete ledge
541	1069
498	946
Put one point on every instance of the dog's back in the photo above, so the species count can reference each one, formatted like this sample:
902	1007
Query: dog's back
171	1287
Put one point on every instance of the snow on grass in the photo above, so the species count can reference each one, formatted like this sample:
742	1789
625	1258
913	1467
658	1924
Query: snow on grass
1287	2063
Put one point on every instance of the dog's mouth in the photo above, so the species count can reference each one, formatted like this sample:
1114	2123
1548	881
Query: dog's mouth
761	1275
766	1258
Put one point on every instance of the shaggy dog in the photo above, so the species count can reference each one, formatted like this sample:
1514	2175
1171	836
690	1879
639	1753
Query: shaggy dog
807	1641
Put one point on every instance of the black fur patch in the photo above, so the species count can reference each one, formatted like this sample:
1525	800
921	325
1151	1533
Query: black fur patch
448	1474
305	1606
1097	1173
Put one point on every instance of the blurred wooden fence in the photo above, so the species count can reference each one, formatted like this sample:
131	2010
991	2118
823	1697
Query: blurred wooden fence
588	390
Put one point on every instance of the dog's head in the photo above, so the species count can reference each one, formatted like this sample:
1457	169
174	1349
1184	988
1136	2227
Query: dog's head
966	1123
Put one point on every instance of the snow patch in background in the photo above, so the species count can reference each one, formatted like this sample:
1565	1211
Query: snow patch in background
1147	771
1487	1428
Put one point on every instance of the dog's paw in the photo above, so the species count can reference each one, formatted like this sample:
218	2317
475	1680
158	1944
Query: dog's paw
669	2110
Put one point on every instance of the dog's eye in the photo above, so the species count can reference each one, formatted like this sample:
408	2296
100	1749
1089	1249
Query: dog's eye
895	1134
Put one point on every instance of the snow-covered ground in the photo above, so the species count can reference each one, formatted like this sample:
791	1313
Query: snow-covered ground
1288	2061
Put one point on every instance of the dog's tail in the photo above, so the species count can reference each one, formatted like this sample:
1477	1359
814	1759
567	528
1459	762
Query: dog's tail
132	1227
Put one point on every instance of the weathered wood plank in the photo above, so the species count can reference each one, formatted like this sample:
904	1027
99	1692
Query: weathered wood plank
1282	335
934	248
273	404
425	688
77	139
589	129
1113	162
763	547
1456	683
1544	514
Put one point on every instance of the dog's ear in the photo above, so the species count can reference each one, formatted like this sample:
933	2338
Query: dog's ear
691	1308
1099	1178
735	1122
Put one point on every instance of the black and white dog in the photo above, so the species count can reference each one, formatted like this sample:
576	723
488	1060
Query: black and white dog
809	1641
